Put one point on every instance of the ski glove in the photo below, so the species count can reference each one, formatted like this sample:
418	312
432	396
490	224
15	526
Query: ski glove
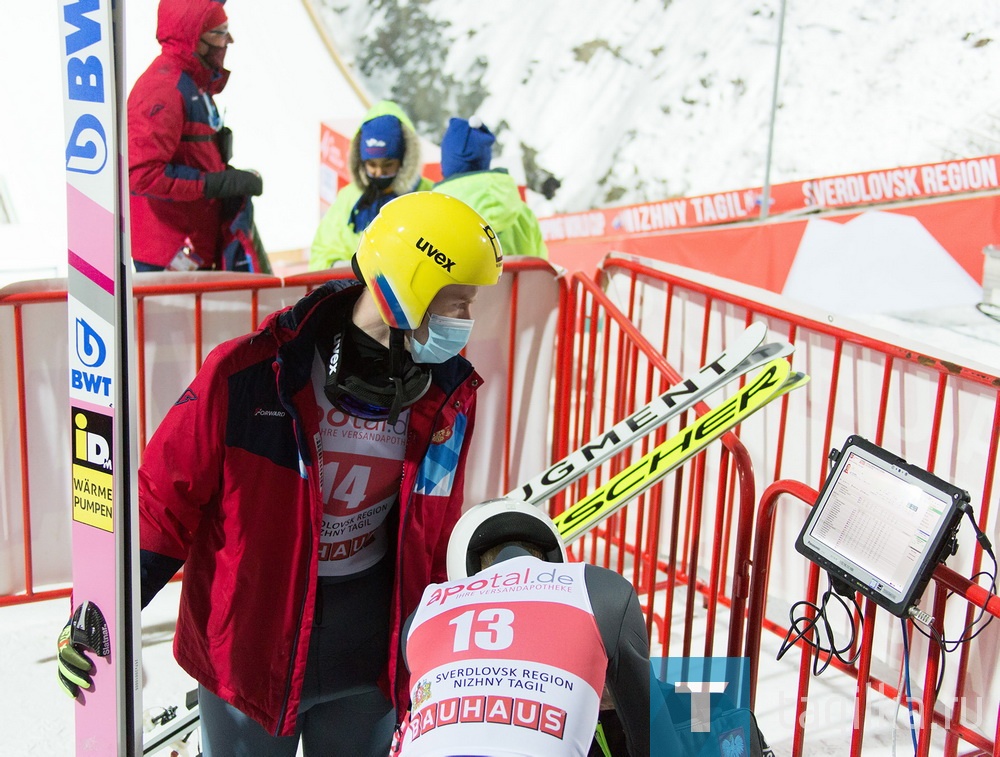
233	182
86	630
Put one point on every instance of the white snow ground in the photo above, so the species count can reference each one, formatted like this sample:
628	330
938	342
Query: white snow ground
36	718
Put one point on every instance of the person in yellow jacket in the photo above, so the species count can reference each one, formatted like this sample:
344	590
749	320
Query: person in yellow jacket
466	152
385	162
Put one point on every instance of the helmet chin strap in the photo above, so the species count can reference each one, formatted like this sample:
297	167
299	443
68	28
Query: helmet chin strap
396	349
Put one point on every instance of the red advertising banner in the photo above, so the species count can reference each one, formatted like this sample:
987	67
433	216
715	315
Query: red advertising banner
845	191
334	169
917	255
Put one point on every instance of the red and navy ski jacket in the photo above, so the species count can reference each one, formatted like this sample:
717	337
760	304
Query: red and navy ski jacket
172	143
230	485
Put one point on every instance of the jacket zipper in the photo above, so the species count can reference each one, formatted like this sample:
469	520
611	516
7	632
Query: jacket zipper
399	549
302	607
398	581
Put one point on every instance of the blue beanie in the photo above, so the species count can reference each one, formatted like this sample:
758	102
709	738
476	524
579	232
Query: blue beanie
466	146
382	137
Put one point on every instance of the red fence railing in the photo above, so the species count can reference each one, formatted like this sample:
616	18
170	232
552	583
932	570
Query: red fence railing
935	412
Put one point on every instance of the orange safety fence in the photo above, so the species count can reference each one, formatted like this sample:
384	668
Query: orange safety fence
674	542
947	708
589	352
939	415
179	318
602	369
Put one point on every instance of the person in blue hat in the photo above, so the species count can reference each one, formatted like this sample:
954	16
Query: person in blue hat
466	154
385	162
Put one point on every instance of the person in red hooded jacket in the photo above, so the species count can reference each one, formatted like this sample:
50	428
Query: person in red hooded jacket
183	192
307	480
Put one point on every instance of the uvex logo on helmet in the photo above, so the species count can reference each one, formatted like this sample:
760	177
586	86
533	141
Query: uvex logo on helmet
497	254
434	254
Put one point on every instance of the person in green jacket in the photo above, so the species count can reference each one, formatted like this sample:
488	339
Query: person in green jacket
385	162
466	152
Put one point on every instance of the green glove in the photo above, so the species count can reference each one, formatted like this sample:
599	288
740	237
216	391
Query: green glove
86	630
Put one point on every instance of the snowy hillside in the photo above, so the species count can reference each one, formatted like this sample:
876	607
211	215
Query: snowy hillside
618	100
632	100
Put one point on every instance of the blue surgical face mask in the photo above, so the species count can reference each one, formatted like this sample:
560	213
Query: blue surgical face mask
445	338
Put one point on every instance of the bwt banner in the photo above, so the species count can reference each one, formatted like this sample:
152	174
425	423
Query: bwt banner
848	190
699	707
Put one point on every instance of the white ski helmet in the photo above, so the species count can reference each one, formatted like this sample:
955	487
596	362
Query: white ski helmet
496	522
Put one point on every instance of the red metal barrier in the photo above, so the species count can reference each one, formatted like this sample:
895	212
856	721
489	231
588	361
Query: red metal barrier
945	582
225	283
611	370
192	291
940	415
686	542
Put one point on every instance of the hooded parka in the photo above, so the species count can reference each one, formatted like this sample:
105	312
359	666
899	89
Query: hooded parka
172	143
494	195
336	239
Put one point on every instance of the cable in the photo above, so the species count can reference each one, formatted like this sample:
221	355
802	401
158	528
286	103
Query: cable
950	645
810	624
989	309
906	678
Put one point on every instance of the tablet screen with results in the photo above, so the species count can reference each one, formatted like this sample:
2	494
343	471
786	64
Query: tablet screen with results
880	524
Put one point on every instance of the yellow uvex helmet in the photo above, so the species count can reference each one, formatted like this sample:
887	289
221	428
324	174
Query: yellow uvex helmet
418	244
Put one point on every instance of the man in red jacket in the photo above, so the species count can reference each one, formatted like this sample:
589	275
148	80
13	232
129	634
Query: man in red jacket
308	480
183	193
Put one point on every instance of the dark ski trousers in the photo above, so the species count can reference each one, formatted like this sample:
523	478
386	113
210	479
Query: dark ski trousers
343	712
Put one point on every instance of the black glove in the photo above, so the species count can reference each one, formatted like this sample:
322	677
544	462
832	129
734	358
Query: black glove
86	630
233	183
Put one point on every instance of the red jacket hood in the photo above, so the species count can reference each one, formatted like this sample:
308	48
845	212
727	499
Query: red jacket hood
178	29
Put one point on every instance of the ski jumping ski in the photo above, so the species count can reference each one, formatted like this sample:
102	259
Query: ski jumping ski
774	381
101	421
745	355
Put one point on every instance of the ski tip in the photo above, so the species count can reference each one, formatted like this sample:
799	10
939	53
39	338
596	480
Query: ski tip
794	381
775	349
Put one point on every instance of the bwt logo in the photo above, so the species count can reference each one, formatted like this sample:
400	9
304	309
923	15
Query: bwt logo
91	352
700	706
87	147
90	347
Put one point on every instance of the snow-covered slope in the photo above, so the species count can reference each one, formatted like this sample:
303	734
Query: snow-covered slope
618	100
633	100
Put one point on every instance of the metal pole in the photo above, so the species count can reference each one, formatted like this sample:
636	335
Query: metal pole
765	199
